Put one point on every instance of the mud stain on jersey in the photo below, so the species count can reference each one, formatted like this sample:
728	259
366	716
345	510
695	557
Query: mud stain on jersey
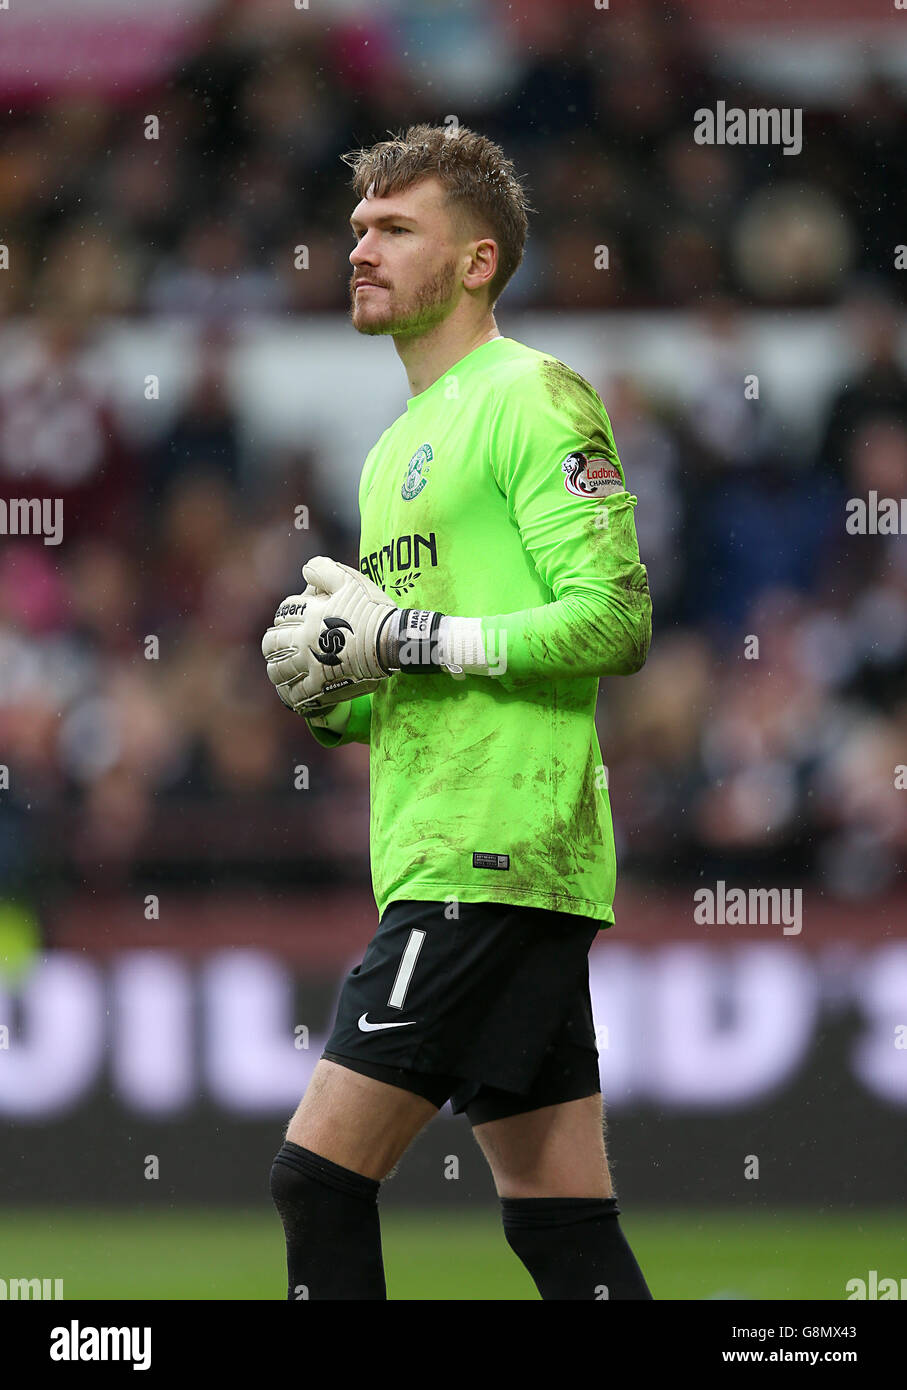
571	393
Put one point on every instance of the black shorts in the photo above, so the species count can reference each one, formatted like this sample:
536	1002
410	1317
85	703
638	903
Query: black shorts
489	1010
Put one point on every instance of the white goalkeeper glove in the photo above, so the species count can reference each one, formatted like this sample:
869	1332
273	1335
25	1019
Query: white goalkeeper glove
343	636
323	645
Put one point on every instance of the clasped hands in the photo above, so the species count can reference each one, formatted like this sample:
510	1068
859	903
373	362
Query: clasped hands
341	637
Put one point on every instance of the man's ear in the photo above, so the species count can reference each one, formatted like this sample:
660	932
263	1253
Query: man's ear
484	265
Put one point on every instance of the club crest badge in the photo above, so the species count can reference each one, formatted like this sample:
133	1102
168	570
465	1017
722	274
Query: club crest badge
417	471
591	477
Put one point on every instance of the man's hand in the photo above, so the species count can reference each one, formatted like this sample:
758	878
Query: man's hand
334	720
325	645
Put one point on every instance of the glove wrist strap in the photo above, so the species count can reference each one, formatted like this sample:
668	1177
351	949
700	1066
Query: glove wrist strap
412	641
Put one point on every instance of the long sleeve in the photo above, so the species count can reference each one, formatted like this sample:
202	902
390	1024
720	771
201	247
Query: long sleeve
577	528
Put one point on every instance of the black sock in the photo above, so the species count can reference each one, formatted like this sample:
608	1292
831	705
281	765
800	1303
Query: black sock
573	1247
330	1217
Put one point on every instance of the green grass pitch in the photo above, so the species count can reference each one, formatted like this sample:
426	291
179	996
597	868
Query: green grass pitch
226	1254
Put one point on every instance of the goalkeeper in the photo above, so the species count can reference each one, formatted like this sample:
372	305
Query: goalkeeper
499	578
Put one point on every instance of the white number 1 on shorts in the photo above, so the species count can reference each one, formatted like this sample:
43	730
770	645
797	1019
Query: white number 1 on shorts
407	966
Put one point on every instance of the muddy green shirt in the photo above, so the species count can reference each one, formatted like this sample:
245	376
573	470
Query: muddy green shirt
499	495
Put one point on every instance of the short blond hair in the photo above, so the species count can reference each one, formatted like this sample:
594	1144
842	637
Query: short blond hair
483	191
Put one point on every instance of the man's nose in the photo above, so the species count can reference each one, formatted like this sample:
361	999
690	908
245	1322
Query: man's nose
362	253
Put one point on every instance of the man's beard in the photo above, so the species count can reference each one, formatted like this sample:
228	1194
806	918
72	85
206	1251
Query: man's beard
428	307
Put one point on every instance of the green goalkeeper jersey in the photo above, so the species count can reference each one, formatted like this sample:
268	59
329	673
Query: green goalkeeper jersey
499	495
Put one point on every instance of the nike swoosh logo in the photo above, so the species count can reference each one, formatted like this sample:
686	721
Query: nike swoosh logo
366	1027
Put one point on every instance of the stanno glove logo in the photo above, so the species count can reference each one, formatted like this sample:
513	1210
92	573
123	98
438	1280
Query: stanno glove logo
332	641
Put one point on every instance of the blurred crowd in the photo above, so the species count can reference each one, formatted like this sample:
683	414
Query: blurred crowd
143	741
766	737
244	166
